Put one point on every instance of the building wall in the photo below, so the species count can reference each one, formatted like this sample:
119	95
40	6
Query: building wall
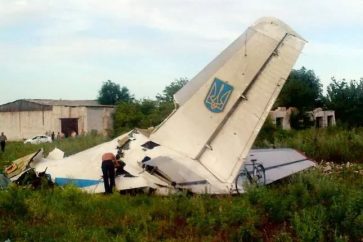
100	120
25	124
323	118
283	114
20	125
61	112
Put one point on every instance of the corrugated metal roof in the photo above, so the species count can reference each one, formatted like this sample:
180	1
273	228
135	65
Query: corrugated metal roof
23	105
72	103
47	104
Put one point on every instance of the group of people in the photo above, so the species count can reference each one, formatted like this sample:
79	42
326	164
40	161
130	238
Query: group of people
111	166
54	136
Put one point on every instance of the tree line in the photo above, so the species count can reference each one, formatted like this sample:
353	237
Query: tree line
141	113
303	90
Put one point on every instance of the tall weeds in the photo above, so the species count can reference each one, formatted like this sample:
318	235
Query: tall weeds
335	144
308	207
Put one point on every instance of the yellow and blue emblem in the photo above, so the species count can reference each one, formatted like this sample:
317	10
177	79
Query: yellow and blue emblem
218	96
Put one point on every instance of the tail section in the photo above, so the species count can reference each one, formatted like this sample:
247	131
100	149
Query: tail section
223	108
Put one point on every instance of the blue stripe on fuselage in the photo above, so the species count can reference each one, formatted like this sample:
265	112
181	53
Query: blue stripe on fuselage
77	182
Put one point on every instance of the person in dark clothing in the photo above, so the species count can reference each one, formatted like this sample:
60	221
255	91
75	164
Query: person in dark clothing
3	140
53	136
108	170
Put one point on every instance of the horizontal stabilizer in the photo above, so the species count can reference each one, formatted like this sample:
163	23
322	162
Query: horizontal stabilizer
279	163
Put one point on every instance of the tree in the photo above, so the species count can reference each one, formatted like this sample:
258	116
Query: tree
346	99
171	89
146	113
302	90
127	116
138	114
151	114
111	93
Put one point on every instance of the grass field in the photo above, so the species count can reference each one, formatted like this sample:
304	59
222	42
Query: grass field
310	206
307	207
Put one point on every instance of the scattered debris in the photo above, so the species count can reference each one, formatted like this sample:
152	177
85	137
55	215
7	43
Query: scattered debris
18	166
332	167
22	173
35	180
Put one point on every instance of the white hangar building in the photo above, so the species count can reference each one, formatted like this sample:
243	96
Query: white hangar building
29	117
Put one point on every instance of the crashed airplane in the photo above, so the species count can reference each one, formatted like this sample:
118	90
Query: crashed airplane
204	146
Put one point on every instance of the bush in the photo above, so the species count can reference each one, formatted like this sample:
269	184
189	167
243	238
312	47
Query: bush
332	144
308	207
309	224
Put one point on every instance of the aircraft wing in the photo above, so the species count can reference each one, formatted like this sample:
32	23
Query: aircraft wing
223	108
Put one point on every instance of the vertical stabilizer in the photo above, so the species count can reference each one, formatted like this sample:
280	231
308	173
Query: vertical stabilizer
223	108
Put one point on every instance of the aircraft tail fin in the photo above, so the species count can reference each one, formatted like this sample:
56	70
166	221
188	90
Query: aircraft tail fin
223	108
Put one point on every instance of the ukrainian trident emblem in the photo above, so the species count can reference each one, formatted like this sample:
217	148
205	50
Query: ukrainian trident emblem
218	96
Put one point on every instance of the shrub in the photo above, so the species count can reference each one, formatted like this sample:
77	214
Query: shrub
335	144
309	224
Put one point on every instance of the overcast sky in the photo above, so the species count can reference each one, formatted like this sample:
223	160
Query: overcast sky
66	49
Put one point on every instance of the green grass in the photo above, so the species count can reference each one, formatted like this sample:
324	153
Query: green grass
15	150
310	206
307	207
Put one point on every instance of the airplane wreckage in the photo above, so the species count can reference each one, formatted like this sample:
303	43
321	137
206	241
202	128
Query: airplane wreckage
204	146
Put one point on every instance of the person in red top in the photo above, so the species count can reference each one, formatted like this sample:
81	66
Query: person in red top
108	170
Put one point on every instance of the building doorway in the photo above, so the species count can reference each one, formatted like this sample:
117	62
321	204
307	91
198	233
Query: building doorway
330	120
69	125
279	122
319	122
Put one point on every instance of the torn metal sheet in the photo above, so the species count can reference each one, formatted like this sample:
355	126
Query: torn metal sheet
18	166
55	154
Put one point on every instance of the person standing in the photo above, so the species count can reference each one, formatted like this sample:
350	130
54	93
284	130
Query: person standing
3	140
108	171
